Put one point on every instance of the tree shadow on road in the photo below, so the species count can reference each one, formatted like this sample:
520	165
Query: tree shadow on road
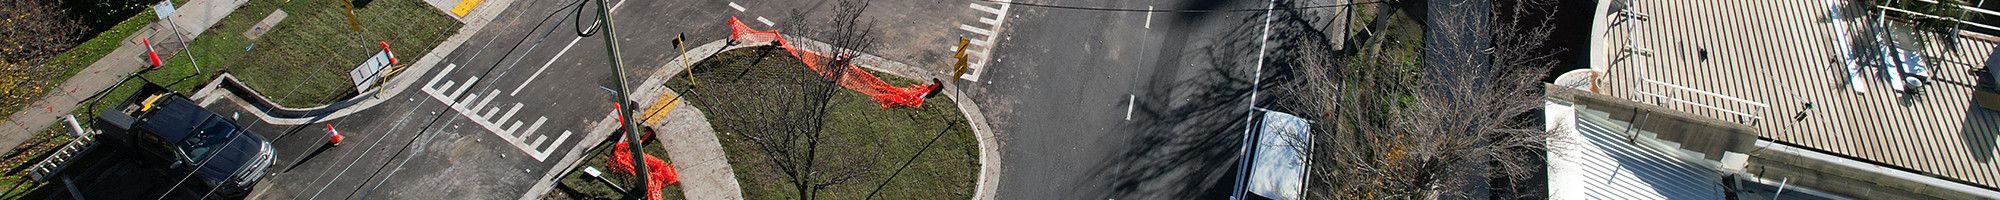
1188	147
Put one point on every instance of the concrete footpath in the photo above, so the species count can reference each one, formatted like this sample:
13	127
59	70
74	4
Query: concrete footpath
190	20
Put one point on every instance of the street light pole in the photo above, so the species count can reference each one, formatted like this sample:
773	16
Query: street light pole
624	112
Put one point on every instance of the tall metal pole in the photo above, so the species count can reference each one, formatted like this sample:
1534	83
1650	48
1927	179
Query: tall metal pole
624	112
184	45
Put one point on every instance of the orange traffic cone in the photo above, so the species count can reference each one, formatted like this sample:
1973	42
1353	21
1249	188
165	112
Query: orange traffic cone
335	139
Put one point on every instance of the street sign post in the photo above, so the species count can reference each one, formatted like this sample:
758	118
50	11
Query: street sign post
366	74
351	21
163	10
958	69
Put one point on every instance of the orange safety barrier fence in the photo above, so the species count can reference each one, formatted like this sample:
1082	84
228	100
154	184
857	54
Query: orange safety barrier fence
661	173
853	79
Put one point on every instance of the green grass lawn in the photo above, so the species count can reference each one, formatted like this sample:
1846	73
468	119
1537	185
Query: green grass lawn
583	187
303	61
945	171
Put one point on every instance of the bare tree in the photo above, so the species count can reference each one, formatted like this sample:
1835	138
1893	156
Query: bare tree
31	32
788	126
1462	124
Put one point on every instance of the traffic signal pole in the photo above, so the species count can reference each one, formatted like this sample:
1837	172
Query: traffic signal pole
632	136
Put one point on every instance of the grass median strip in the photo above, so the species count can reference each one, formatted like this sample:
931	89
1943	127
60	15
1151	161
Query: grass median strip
945	170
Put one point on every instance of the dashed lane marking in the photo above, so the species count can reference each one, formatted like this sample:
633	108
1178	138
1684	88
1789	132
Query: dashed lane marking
767	22
739	8
1131	100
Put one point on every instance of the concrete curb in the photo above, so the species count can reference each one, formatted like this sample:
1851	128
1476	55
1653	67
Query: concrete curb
985	185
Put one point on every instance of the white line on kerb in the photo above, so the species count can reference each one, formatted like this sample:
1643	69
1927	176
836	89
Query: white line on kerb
1149	17
1130	101
739	8
767	22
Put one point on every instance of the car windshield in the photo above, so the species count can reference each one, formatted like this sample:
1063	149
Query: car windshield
212	133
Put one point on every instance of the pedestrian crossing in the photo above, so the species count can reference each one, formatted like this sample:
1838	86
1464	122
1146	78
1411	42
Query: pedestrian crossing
475	107
984	35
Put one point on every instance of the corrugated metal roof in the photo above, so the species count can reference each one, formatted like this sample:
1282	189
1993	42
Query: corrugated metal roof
1785	54
1588	161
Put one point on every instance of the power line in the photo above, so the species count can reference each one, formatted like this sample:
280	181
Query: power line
1177	10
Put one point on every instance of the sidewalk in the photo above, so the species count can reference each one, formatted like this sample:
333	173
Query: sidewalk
692	145
191	19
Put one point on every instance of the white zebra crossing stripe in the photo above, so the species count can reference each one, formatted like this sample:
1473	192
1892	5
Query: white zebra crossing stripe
471	106
975	30
983	36
983	8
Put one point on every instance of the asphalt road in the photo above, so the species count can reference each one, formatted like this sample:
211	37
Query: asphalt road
1065	82
447	139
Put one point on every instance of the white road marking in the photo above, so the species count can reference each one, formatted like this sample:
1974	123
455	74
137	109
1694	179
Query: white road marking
1130	101
545	66
471	106
739	8
461	88
495	94
989	21
559	54
1149	17
767	22
985	8
988	28
976	30
440	75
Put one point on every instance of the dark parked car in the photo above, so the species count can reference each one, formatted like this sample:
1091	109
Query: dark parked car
184	138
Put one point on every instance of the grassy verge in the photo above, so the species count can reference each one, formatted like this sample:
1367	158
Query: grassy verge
579	186
945	171
303	61
76	59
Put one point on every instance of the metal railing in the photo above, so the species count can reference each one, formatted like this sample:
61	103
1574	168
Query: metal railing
1971	9
1744	111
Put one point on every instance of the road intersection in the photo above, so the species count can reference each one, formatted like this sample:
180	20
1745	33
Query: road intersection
499	116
